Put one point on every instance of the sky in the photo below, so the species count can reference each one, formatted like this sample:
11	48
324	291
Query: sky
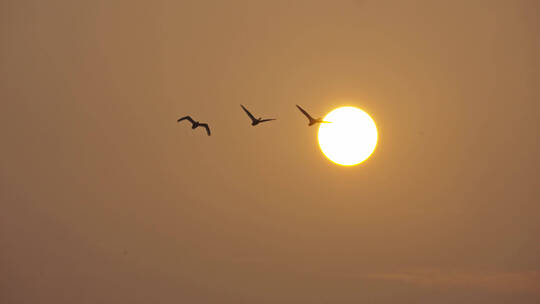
106	199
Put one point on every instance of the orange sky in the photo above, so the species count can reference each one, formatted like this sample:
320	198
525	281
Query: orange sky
105	199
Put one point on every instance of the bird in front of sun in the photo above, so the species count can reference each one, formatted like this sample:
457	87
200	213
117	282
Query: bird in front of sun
255	121
312	120
195	124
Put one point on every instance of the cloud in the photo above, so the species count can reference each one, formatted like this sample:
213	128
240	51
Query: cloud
525	281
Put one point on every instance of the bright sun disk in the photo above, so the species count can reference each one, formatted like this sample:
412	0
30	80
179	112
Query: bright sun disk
349	138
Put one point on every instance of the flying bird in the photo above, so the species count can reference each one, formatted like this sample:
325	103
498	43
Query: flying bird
312	120
195	124
255	121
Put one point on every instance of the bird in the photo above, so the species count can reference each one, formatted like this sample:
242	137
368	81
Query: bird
312	120
195	124
255	121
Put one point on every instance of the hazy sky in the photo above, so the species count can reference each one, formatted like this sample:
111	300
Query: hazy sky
106	199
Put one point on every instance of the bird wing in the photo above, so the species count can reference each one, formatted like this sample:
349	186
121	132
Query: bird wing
205	125
268	119
305	113
249	114
186	117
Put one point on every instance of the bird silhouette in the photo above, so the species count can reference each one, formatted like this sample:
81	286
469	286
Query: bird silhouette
255	121
312	120
195	124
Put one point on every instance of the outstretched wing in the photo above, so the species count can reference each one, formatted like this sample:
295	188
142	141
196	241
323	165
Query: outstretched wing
305	113
268	119
204	125
249	114
186	117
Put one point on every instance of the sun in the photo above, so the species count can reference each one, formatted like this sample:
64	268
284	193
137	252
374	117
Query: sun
349	138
